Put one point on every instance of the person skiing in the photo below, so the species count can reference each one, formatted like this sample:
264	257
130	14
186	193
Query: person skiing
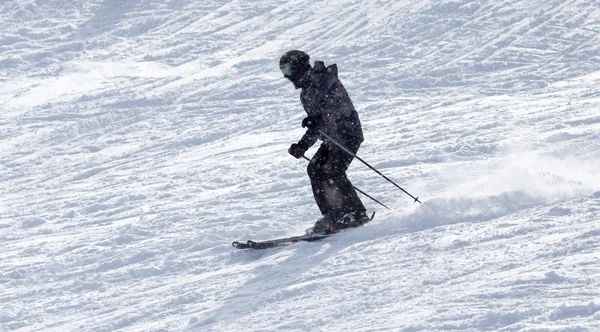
329	110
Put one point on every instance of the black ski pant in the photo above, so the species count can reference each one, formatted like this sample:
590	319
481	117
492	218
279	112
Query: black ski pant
333	192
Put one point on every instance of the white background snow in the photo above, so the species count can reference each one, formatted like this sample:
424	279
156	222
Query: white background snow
138	139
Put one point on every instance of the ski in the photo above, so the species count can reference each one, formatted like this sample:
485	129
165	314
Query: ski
285	241
278	242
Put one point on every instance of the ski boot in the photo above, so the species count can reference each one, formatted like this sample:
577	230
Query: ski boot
325	225
362	217
352	219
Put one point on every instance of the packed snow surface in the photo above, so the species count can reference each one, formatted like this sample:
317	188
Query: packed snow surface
138	139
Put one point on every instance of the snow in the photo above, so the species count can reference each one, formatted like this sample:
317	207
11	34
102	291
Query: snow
138	139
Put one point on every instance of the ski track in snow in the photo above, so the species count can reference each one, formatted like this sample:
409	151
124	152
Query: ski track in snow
139	138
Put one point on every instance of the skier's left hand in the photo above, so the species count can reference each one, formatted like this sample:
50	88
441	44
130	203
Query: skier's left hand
311	122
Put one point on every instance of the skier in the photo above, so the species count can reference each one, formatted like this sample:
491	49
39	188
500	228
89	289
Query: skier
330	110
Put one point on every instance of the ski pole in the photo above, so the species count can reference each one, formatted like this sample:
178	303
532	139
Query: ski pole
360	191
364	162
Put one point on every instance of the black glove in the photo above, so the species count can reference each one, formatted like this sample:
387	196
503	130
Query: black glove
311	122
298	149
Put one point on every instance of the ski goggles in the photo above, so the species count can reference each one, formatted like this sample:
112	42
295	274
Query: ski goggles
286	69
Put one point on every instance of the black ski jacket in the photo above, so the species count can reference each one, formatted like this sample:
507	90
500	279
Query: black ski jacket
324	96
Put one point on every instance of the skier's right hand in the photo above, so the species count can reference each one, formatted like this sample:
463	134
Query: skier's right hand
297	149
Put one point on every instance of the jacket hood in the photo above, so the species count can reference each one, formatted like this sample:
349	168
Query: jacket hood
319	67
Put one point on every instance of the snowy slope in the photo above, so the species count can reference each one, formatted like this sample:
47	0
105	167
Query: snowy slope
139	138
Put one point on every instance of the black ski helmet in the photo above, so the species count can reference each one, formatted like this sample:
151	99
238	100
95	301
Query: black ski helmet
294	64
296	58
